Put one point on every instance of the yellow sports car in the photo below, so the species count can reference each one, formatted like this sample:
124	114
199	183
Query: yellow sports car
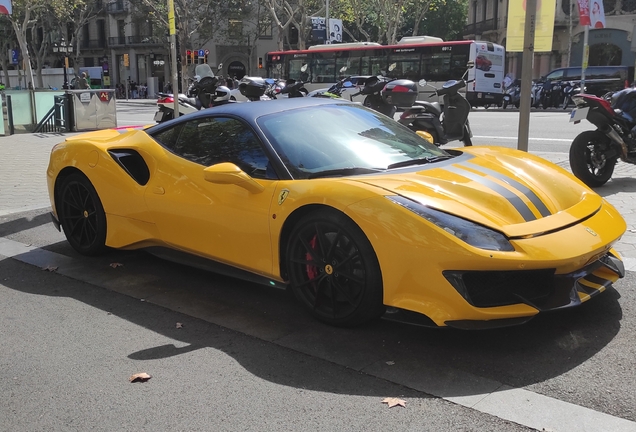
353	212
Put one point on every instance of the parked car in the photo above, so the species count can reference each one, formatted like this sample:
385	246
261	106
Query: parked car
348	208
598	79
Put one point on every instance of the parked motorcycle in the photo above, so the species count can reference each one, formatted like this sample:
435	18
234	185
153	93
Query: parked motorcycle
200	94
570	88
512	95
593	154
445	125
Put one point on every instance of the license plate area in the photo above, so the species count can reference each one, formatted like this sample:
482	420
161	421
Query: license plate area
159	116
579	114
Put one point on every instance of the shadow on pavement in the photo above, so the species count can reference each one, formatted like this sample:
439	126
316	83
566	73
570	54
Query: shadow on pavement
546	347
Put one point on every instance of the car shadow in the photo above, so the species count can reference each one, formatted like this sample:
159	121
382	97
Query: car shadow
208	304
23	223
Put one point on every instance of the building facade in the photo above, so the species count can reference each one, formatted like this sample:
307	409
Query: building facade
126	45
613	45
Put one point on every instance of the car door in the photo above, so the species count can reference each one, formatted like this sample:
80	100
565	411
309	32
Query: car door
225	222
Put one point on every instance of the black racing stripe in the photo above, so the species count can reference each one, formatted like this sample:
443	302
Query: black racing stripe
513	199
585	289
597	280
532	197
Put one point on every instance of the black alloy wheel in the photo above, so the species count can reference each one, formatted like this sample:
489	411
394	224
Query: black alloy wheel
592	158
82	215
333	270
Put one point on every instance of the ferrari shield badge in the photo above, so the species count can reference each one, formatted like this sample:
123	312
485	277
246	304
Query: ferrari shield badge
283	196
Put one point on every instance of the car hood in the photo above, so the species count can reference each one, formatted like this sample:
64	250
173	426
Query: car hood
508	190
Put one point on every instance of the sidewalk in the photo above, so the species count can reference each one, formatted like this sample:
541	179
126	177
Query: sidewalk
24	159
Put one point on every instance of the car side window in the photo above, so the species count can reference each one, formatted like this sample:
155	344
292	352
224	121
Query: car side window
212	140
168	138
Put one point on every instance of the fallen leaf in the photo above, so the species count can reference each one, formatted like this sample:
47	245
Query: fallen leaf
179	325
394	401
139	377
115	265
49	268
390	363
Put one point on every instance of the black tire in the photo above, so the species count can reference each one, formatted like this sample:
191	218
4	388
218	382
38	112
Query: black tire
466	139
565	103
504	105
589	159
82	215
345	289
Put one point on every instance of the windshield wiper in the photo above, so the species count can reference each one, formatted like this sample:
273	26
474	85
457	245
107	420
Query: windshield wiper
344	172
420	161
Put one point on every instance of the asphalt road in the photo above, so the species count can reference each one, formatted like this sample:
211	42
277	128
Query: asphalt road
248	358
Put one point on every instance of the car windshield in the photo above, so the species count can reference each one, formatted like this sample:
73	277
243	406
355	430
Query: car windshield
343	139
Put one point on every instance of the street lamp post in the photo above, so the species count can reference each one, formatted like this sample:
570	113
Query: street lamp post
64	49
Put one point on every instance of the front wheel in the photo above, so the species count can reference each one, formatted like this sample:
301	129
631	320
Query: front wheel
333	270
592	158
504	105
566	102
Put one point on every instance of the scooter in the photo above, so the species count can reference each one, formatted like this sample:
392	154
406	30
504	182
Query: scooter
372	89
200	93
447	124
512	95
570	89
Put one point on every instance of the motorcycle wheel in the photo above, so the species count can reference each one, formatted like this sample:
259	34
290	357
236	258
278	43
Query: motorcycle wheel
565	103
588	158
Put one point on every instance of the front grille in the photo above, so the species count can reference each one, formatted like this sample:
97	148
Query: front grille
501	288
541	289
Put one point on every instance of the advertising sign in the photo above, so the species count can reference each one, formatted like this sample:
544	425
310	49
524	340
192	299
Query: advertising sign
5	7
318	30
335	30
544	25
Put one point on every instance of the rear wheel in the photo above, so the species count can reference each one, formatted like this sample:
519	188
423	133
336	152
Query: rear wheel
504	105
333	270
82	215
592	158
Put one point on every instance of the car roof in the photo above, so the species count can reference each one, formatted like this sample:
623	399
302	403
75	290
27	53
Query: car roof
250	111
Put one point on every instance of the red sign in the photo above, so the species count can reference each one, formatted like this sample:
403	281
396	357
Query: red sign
105	96
584	12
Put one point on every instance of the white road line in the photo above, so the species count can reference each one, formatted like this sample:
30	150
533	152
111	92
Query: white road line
516	138
7	212
519	405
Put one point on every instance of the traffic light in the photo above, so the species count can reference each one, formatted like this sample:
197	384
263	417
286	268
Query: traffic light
188	57
260	62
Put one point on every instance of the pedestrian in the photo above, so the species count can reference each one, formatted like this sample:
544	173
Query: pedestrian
83	81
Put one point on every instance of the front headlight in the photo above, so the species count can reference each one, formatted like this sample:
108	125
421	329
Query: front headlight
474	234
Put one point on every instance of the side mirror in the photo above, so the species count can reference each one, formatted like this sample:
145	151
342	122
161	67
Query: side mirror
220	66
343	69
470	64
422	82
303	68
228	173
392	66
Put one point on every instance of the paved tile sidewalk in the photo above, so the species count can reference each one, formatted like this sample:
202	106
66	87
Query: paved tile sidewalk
24	160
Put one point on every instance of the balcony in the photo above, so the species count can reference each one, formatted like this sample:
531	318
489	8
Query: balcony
116	7
480	27
145	40
117	41
94	44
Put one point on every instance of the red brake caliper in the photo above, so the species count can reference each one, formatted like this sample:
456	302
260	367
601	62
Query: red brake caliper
312	271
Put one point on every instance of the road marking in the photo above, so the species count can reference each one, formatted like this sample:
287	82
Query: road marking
481	394
516	138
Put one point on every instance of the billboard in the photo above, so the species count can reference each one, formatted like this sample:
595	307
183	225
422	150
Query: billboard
544	25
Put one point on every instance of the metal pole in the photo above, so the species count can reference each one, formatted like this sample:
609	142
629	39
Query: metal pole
173	52
526	74
327	31
586	55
